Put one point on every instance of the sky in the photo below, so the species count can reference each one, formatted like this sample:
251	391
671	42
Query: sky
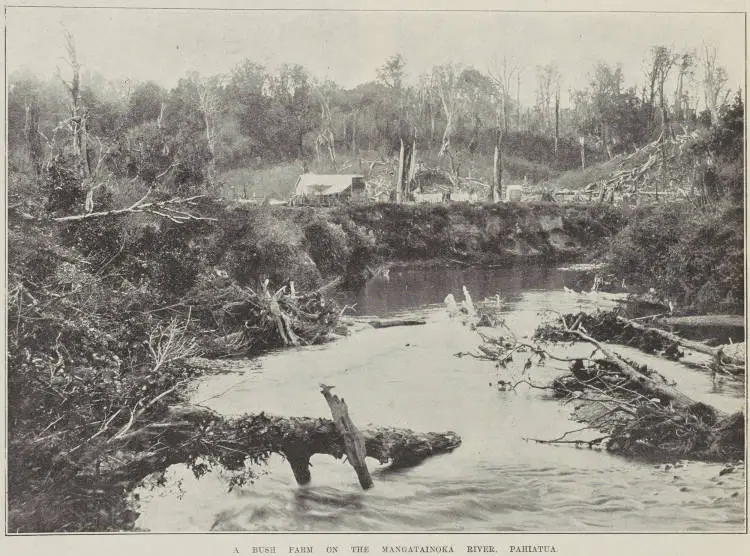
348	46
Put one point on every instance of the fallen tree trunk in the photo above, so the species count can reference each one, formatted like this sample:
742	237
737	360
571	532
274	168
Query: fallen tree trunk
194	434
717	353
640	413
647	383
387	323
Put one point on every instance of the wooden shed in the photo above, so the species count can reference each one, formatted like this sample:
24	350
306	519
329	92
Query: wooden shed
329	189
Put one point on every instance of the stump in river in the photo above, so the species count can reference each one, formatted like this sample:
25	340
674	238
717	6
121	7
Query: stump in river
353	439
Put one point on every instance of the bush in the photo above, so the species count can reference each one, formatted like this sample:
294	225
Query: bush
694	257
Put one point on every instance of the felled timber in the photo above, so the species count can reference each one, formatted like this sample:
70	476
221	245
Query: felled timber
387	323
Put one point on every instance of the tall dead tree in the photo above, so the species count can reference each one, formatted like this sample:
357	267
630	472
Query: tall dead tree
400	174
714	82
582	141
663	60
446	80
497	169
685	63
78	114
32	135
518	100
502	79
326	136
209	107
557	116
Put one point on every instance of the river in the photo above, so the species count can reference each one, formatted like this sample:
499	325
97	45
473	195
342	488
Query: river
409	377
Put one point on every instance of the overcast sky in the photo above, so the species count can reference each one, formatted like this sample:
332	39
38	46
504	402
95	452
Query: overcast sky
347	46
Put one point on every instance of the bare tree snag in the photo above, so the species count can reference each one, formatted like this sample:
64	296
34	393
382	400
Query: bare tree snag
209	107
497	171
400	174
412	164
582	141
354	442
557	116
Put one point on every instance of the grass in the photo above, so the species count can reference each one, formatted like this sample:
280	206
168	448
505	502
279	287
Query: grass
576	179
260	183
278	181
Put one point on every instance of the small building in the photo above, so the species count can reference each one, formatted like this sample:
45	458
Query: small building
513	193
458	196
329	189
437	197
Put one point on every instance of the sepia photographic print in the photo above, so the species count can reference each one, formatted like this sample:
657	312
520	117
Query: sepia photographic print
320	278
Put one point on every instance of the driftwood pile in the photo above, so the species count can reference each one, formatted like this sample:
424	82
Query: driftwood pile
249	322
609	326
635	410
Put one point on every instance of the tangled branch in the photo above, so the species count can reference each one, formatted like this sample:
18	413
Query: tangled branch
166	209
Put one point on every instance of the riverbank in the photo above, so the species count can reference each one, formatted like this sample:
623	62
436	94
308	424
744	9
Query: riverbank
104	311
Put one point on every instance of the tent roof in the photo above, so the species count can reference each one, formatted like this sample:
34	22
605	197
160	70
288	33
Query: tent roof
324	184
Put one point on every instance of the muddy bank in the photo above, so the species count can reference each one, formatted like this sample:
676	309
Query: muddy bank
486	234
313	246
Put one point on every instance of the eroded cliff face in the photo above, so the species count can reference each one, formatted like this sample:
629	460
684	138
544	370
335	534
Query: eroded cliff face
486	233
313	246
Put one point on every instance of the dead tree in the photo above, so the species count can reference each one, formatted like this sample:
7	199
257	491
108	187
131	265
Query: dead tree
173	209
209	106
447	81
497	169
714	82
78	113
502	78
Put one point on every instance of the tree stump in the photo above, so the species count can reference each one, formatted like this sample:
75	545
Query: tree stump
354	442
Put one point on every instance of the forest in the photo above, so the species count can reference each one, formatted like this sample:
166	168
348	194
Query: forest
131	252
251	131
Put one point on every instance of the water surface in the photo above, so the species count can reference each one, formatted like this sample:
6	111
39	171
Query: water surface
409	377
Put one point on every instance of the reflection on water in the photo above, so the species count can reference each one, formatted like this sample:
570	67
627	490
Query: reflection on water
409	377
410	289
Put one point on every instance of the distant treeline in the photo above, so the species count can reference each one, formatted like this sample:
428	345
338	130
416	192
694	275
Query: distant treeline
255	116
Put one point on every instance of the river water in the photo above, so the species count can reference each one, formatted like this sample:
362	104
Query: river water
409	377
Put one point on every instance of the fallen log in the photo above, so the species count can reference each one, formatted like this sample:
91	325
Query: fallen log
716	353
194	435
387	323
645	383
